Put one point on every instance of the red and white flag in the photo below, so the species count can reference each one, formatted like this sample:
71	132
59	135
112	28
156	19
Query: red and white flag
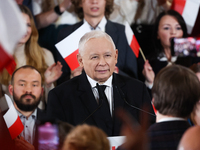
12	119
12	28
68	47
189	9
132	41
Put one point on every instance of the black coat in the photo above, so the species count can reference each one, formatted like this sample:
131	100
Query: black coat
73	101
166	135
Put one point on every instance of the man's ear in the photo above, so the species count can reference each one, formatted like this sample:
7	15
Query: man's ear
116	56
80	60
10	88
42	90
152	101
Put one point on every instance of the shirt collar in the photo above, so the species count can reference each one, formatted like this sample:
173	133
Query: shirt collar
171	119
33	114
101	26
162	57
92	82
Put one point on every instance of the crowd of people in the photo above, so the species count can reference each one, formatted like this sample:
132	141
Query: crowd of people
154	102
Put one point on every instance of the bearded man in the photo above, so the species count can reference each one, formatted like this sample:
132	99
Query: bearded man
26	90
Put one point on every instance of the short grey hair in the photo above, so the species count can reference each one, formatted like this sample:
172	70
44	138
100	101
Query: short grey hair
91	35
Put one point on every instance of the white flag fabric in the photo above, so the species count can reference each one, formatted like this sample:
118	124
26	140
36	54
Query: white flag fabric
132	41
12	29
116	141
189	9
68	47
12	119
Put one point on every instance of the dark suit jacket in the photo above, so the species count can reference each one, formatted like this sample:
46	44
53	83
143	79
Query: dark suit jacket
166	135
73	101
127	63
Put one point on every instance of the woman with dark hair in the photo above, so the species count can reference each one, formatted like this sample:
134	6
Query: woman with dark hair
168	25
28	52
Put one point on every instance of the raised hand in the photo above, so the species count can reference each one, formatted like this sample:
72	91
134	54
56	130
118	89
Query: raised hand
76	72
53	73
21	144
148	72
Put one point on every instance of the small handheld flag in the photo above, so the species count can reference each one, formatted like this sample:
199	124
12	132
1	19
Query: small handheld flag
12	119
68	47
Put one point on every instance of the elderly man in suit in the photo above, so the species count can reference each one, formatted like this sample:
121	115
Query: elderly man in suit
175	93
81	99
95	14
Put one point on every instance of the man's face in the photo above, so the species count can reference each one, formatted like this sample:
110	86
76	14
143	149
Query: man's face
93	8
98	59
26	89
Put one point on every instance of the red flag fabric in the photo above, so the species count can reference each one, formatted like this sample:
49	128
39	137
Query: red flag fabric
132	41
6	61
189	9
12	28
12	119
68	47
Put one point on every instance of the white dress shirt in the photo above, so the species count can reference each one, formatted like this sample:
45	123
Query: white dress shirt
101	26
29	126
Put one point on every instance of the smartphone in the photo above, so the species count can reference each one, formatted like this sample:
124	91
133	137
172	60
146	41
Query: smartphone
47	136
184	47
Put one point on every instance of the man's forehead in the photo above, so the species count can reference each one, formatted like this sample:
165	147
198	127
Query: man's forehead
99	42
27	74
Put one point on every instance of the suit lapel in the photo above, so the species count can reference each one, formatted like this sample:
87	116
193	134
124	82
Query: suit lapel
86	94
77	25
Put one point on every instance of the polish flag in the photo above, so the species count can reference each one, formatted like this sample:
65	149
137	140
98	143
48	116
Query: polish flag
189	9
68	47
12	29
12	119
132	41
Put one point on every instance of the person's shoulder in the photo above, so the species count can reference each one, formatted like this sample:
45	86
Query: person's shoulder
41	114
68	85
65	31
129	80
48	56
71	27
47	52
115	24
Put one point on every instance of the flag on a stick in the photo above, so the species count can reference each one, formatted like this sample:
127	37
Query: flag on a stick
12	29
132	41
189	9
12	119
68	47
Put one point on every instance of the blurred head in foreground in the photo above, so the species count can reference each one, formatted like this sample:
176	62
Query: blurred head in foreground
85	137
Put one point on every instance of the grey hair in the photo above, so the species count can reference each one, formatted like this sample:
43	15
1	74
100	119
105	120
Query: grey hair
92	35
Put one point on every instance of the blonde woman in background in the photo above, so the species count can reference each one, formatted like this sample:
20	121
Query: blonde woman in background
28	52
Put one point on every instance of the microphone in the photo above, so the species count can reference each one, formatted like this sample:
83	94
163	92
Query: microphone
123	97
100	98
